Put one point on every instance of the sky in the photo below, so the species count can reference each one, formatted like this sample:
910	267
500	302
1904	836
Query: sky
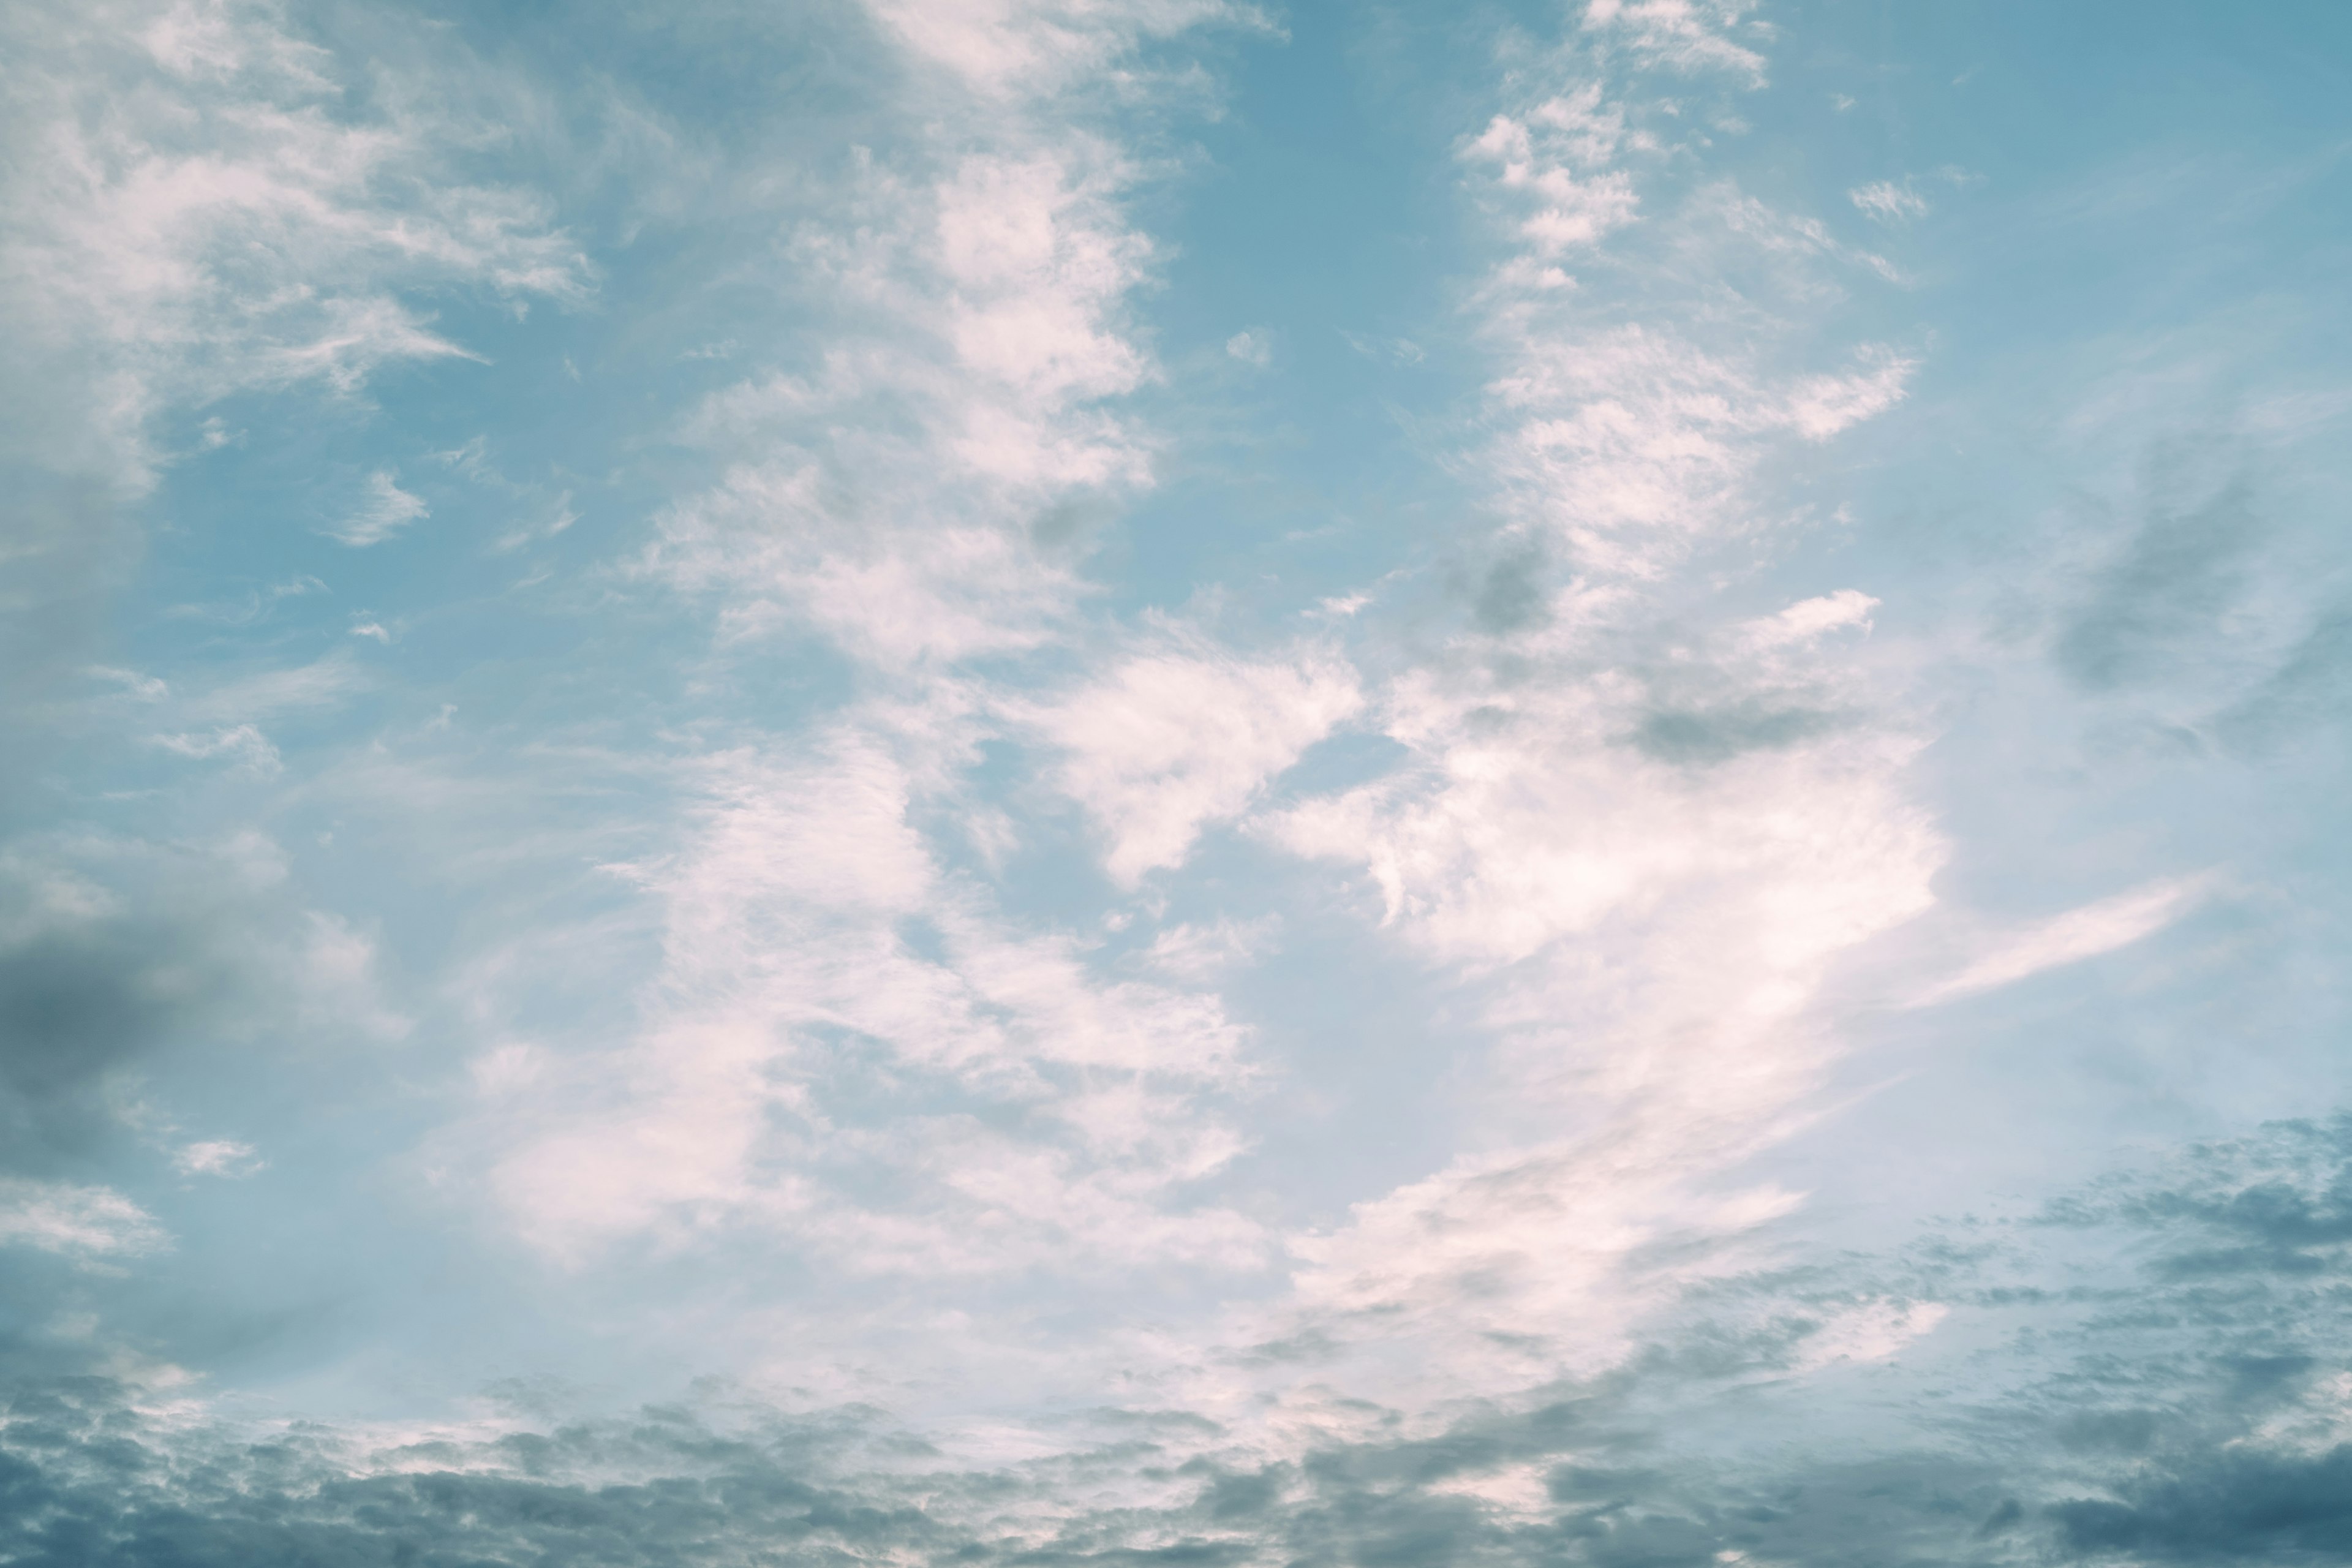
1135	781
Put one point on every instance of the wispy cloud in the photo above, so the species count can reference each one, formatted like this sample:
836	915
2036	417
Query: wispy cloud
986	440
1251	347
1888	202
218	1157
385	510
242	743
1046	1116
225	224
2070	938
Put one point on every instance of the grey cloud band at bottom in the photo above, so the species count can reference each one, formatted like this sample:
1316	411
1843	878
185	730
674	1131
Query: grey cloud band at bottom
2179	1397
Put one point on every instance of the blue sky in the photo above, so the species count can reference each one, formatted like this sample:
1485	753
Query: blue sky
961	779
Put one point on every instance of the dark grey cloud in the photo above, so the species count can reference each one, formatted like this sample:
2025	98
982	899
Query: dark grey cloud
1704	735
77	1004
89	991
2221	1506
2152	1381
1514	595
85	1481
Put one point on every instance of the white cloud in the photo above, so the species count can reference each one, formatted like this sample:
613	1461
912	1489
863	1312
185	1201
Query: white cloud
1555	161
789	961
1508	1270
386	509
1808	619
1008	48
1888	202
1530	819
77	1221
975	419
242	743
1637	447
1631	440
1819	406
190	211
1685	34
1642	932
218	1157
1868	1332
2079	933
1251	347
1173	739
146	687
1644	945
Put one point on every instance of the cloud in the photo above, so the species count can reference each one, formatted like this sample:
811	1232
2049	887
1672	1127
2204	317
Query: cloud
2221	1508
146	687
2078	935
1555	161
247	746
77	1221
87	986
1774	1415
1702	736
936	478
1012	48
1141	755
198	210
1869	1331
1634	451
851	1051
387	510
203	202
218	1157
822	1061
1888	202
1685	34
1251	347
120	957
1637	835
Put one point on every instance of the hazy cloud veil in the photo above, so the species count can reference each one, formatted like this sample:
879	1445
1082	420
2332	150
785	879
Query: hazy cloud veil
970	781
